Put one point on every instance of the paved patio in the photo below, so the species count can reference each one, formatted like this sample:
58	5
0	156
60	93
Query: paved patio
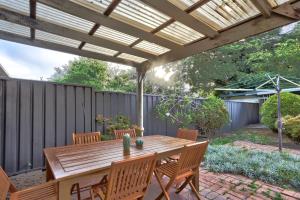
212	186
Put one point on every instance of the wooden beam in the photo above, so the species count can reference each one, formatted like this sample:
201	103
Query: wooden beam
196	5
288	10
107	12
33	16
263	6
250	28
68	33
181	16
90	15
57	47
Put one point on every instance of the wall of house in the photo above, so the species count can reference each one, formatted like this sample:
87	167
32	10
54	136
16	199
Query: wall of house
35	115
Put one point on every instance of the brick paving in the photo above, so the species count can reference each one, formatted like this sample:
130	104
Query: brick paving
213	186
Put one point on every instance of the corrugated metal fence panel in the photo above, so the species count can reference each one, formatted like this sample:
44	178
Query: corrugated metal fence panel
35	115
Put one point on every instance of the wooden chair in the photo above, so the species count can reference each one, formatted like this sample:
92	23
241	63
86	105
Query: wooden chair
127	180
86	138
46	191
120	133
187	134
5	185
182	170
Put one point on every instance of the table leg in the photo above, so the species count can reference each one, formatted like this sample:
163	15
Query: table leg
49	175
196	180
65	190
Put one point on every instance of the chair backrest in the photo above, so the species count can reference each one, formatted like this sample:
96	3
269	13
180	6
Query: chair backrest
86	138
187	134
46	191
120	133
4	184
129	179
191	157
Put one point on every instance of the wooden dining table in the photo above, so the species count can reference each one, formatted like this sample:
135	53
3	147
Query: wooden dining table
74	163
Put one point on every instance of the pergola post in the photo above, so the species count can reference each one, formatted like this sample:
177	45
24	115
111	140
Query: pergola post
140	98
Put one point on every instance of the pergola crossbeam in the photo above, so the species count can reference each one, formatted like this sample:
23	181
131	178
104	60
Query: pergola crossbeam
87	14
68	33
263	6
181	16
57	47
33	16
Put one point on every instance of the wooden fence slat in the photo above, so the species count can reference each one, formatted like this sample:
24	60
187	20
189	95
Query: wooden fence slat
25	131
11	127
38	124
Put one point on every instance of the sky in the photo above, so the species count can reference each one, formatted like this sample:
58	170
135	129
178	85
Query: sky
27	62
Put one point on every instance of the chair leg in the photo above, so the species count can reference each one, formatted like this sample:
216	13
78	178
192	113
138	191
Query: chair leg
77	190
164	189
194	190
184	185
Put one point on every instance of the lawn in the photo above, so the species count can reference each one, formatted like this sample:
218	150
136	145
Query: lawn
275	168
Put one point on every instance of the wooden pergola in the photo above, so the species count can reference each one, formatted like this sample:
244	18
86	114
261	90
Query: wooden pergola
140	33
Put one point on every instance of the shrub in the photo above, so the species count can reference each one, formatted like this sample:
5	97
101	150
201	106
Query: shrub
290	105
275	168
211	115
292	126
179	110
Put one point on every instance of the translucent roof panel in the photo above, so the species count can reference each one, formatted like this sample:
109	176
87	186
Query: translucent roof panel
55	16
98	49
179	33
14	28
96	5
132	57
138	14
220	14
151	47
49	37
21	6
115	36
275	3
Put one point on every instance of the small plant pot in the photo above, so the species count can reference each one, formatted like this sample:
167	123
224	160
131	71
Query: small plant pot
139	143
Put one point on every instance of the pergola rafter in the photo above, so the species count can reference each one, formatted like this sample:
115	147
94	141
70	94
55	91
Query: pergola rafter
107	12
33	16
57	47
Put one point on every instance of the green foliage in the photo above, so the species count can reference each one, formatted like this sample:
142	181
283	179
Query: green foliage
292	126
179	110
119	122
242	136
290	105
211	115
84	71
275	168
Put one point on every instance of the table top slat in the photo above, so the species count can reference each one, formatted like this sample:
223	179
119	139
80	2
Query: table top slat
76	160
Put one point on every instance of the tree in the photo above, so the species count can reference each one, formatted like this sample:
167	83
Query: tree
83	71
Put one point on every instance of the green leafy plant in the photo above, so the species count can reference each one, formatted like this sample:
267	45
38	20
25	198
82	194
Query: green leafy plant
292	126
211	115
274	168
290	105
179	110
119	122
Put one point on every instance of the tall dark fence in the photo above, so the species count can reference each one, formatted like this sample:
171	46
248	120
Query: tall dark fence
35	115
